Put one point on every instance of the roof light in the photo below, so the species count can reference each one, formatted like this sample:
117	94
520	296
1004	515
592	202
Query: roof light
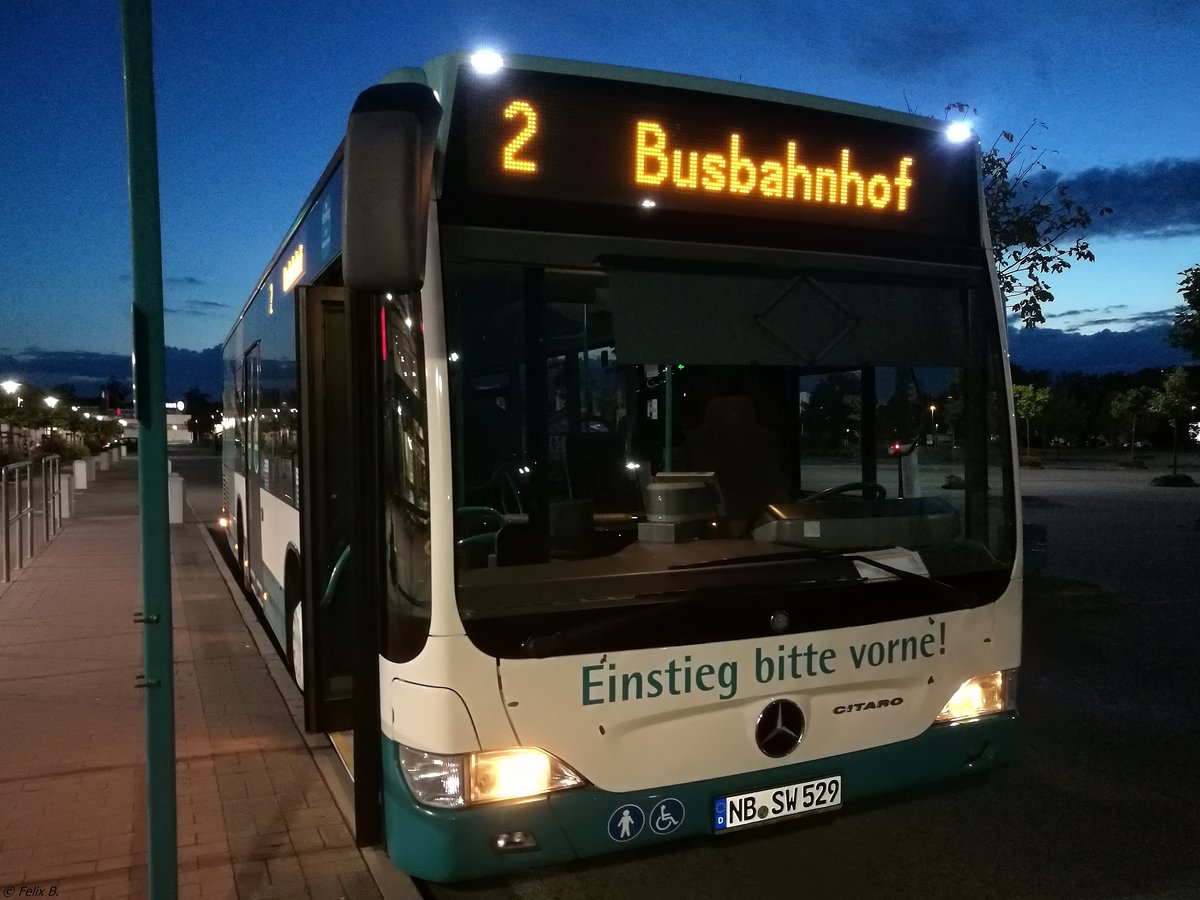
959	132
487	62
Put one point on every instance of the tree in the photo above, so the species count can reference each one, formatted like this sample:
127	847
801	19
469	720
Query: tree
1185	332
113	395
1173	401
1030	403
1127	407
1066	417
1029	217
833	410
201	410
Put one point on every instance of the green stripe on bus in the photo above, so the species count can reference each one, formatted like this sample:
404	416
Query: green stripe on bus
451	845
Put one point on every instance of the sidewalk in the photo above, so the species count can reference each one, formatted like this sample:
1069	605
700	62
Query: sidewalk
255	817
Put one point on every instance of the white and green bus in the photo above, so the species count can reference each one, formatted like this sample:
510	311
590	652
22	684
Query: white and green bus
619	456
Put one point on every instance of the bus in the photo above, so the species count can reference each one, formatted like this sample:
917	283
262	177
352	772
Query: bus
620	456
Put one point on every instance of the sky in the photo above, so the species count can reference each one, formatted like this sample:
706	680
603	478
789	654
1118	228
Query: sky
252	100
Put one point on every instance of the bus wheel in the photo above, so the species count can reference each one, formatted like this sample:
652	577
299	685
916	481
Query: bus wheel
296	650
294	610
243	571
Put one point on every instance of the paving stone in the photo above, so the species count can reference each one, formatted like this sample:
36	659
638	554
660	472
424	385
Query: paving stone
255	819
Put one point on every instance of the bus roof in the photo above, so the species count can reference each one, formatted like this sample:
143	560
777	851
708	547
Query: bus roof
441	73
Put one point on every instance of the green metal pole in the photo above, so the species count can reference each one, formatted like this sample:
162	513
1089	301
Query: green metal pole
157	649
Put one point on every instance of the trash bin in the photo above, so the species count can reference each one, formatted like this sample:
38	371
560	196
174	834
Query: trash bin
79	469
175	498
66	494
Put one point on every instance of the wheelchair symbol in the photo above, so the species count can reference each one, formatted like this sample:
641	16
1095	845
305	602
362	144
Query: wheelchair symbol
666	816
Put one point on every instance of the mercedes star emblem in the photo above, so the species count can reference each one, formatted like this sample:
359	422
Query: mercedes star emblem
779	729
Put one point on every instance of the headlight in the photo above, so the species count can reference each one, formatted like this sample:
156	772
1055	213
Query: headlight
981	696
453	781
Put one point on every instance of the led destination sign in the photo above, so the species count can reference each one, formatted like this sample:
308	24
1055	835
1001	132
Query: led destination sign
550	137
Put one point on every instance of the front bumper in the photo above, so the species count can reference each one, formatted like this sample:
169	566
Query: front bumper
453	845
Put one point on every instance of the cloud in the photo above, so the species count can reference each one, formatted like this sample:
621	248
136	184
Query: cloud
198	308
1152	317
175	280
1158	198
907	49
1069	313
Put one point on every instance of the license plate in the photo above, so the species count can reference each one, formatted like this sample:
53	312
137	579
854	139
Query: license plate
797	799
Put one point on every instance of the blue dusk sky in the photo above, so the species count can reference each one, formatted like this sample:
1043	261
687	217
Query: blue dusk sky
252	100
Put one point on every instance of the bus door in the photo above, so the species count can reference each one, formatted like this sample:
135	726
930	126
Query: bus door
252	461
326	509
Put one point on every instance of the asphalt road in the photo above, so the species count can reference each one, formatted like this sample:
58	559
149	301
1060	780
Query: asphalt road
1102	800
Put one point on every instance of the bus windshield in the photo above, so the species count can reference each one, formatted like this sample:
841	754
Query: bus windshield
635	433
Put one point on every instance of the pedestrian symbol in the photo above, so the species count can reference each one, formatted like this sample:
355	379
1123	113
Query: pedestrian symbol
626	822
666	816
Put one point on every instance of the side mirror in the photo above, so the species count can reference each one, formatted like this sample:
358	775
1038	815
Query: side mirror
387	178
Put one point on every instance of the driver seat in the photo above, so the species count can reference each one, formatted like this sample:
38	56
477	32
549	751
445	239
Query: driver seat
744	455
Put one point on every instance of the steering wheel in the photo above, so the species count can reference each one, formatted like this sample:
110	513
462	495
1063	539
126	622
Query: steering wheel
878	491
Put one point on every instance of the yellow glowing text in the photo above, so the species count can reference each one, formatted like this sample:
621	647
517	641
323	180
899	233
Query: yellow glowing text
734	170
293	270
520	109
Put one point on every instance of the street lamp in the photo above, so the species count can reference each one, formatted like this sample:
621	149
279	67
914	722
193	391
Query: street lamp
932	420
52	402
11	387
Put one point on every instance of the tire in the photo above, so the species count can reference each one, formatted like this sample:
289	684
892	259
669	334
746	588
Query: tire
294	611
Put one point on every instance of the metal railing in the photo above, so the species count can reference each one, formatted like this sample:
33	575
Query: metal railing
19	512
52	495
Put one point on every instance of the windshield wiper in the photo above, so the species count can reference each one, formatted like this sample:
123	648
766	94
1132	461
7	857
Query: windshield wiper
750	558
966	599
549	644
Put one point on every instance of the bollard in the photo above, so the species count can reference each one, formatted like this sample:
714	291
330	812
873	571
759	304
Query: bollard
103	461
175	498
79	468
123	451
66	494
91	468
169	469
113	456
